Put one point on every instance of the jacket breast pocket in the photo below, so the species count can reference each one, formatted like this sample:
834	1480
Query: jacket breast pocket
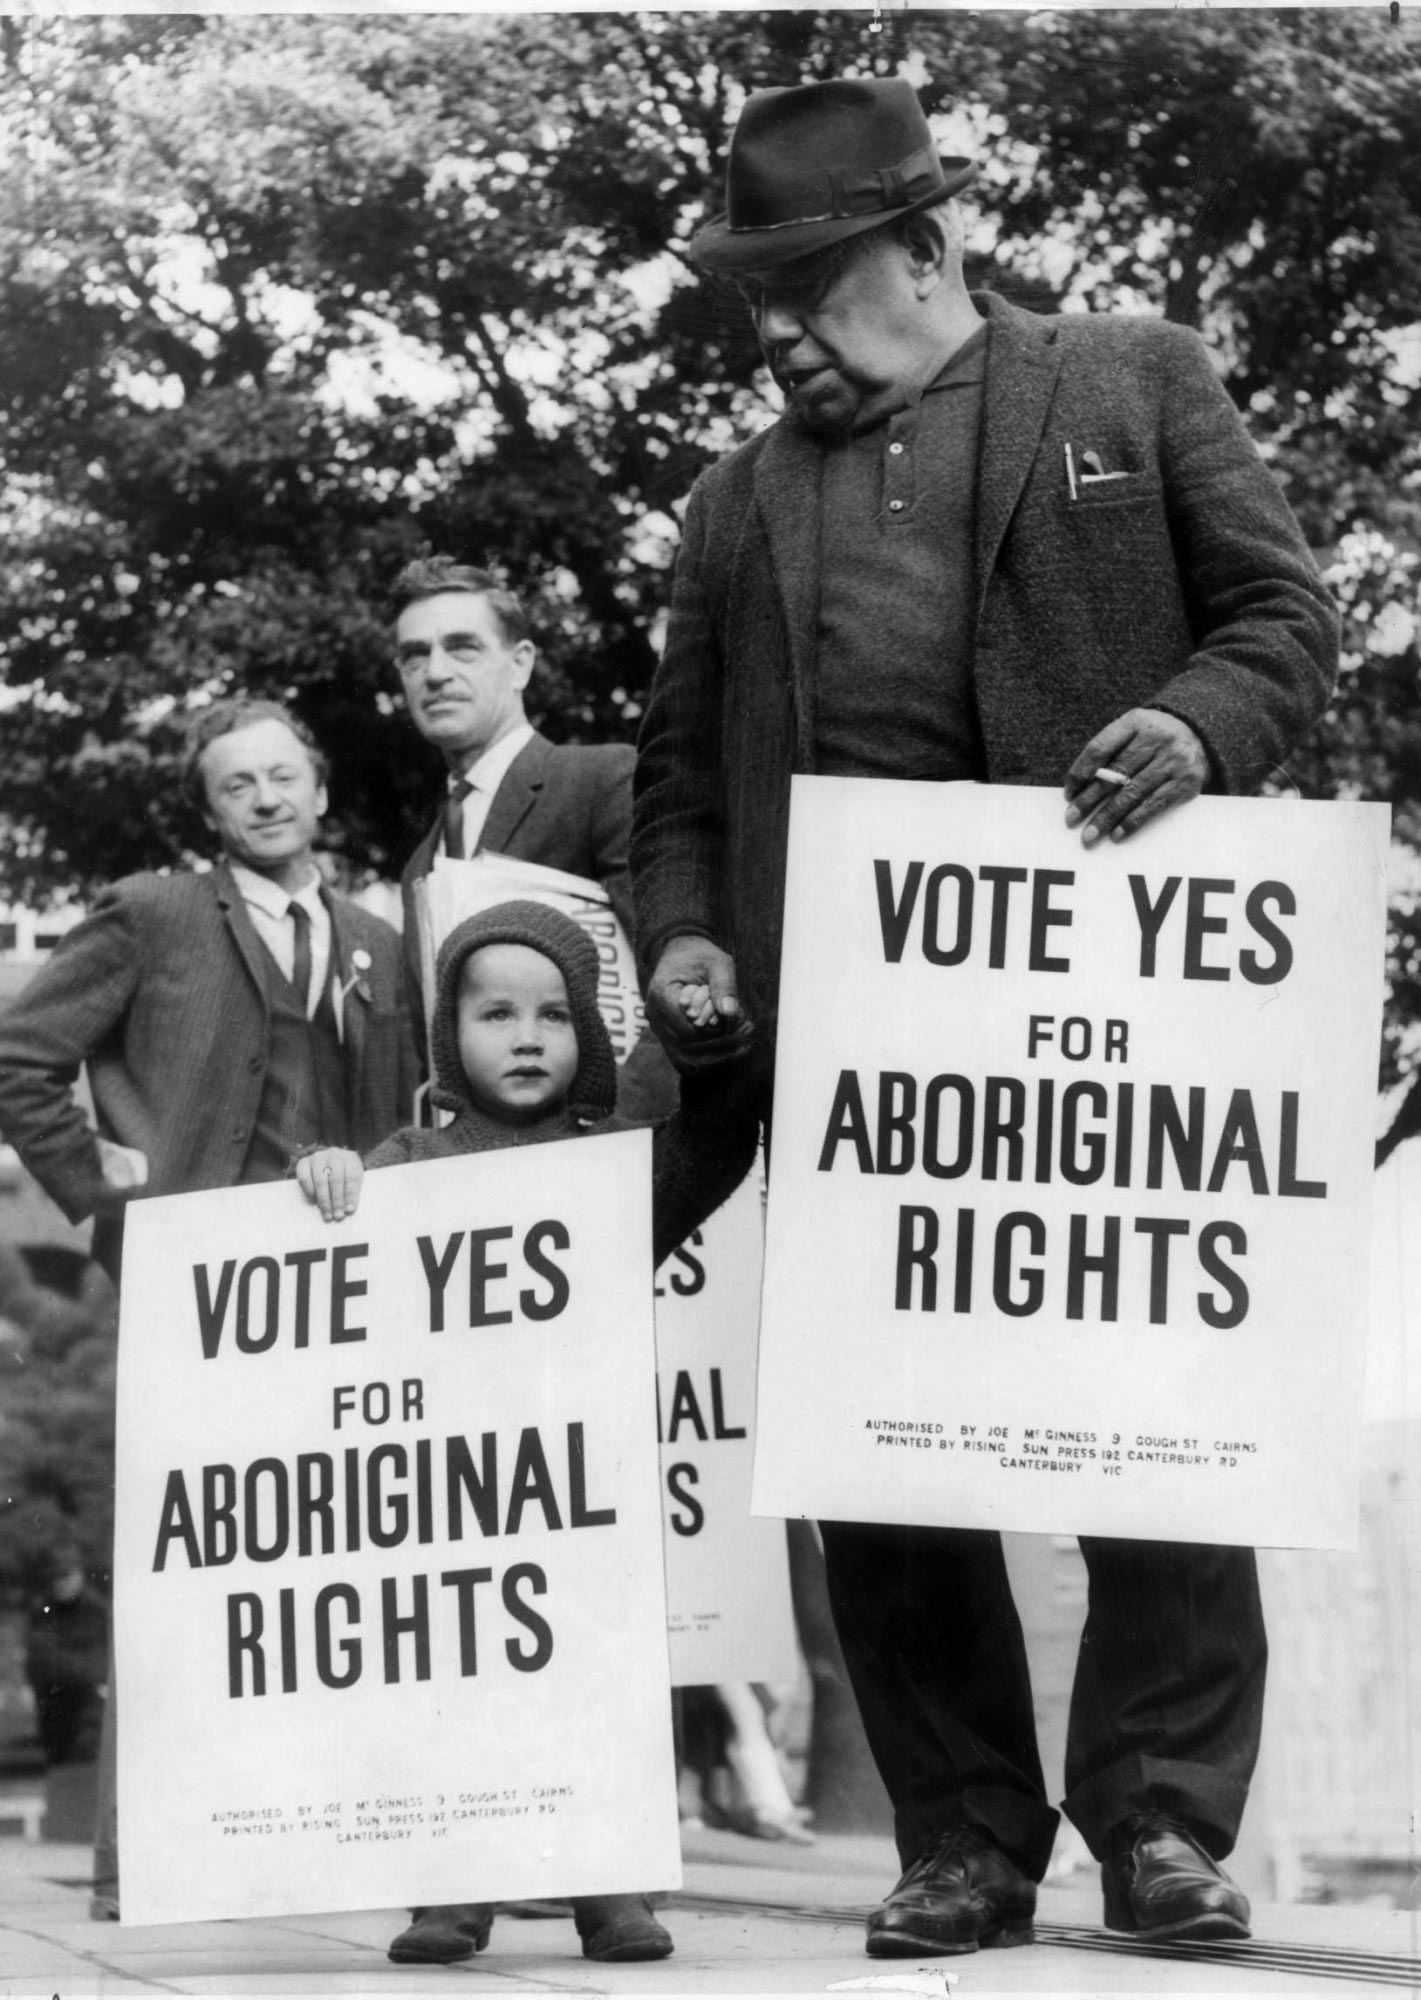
1112	497
1122	531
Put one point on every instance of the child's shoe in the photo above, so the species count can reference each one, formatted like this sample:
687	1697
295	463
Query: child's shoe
443	1934
619	1928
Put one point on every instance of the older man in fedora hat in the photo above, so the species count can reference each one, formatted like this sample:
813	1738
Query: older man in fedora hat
979	544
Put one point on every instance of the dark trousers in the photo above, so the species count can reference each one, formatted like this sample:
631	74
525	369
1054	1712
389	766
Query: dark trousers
106	1802
1165	1711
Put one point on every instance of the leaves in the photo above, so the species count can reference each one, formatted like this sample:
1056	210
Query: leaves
57	1360
285	298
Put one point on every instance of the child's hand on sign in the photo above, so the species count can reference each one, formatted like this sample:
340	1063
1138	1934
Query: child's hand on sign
331	1177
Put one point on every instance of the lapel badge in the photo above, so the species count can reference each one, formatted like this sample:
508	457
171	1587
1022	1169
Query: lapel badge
360	963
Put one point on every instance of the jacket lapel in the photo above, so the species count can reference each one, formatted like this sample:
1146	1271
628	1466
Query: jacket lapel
516	796
239	929
422	860
354	1008
787	481
1023	360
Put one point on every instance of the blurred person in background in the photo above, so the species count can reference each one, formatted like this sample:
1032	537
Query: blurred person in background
731	1775
66	1662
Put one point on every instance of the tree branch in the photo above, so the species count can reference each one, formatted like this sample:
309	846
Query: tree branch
508	397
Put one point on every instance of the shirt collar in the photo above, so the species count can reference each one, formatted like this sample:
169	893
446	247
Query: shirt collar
490	767
964	365
269	896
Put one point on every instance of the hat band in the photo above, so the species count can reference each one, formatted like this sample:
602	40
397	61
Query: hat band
877	191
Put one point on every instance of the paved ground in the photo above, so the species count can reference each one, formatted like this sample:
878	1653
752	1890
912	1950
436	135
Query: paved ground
752	1918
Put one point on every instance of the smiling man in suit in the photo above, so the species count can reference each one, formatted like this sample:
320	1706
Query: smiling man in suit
465	657
979	544
227	1020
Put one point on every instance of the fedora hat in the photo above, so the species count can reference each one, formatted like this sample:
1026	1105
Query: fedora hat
817	162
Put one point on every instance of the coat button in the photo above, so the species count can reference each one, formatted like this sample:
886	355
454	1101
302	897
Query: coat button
895	450
895	506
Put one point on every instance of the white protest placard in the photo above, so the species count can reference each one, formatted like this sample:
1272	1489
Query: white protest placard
1069	1204
454	890
390	1610
728	1604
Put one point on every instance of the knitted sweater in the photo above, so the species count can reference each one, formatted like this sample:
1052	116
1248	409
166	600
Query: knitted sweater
699	1156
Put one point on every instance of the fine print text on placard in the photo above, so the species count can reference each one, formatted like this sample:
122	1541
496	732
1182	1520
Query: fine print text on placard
1032	1448
388	1817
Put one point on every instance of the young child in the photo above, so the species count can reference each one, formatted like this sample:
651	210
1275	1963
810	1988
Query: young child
520	1054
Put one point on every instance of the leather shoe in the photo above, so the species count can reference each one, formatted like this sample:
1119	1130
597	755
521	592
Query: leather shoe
1160	1884
617	1929
443	1934
961	1893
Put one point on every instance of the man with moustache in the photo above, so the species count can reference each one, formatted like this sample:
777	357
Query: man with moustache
979	544
465	657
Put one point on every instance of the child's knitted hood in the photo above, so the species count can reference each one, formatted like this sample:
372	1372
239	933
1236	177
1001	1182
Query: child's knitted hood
542	928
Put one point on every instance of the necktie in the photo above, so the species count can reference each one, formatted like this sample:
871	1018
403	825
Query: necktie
454	819
301	969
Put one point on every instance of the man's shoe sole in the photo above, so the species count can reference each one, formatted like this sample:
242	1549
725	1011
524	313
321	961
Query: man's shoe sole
902	1944
430	1958
1218	1925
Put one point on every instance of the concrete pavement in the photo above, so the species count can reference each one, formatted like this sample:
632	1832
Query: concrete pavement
753	1917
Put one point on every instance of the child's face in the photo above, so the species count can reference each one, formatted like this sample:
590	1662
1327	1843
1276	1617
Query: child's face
516	1039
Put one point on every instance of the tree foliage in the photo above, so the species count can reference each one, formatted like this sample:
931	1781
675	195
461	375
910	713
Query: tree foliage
57	1360
286	298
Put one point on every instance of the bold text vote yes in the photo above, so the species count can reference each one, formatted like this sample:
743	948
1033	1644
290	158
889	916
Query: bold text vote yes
1016	916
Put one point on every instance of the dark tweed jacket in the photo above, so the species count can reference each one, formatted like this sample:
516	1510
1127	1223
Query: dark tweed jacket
1186	586
162	993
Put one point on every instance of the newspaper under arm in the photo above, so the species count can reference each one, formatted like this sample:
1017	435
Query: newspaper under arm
454	890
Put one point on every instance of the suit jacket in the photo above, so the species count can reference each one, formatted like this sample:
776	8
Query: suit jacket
563	805
567	806
162	993
1186	586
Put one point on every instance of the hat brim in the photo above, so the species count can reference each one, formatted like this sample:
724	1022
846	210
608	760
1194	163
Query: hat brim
728	252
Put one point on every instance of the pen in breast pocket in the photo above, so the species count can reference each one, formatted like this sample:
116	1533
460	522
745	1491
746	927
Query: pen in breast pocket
1070	472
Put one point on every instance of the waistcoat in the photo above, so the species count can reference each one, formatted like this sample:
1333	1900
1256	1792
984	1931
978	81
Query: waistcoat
303	1095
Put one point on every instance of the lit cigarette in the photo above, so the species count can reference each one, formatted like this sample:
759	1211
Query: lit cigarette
1107	776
